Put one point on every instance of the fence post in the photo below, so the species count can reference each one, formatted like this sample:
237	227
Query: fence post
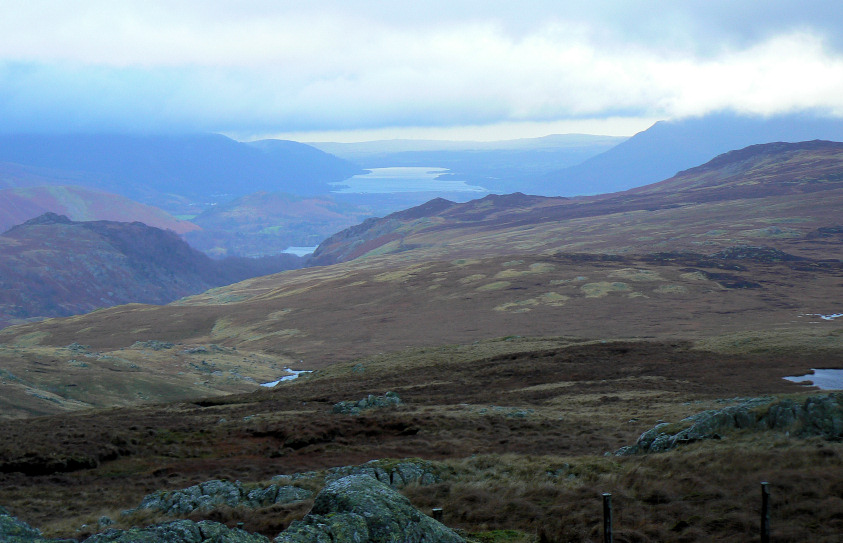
765	513
607	517
437	514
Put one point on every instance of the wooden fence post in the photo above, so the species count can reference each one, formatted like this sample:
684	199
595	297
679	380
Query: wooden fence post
765	513
607	517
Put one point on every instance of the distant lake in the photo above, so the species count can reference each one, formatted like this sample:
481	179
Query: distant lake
403	179
299	251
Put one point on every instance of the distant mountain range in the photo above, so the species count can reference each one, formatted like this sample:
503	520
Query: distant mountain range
802	183
259	198
500	166
749	241
147	168
52	266
668	147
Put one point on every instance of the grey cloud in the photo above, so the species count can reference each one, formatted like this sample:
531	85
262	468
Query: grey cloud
269	66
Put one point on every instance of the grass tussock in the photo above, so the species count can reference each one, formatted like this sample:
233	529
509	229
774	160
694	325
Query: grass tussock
705	492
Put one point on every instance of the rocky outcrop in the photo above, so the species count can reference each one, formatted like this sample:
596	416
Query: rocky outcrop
360	509
212	494
816	416
13	530
369	402
359	504
395	474
180	531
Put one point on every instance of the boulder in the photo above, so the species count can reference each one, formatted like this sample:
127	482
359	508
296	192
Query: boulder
361	509
180	531
13	530
396	474
369	402
816	416
212	494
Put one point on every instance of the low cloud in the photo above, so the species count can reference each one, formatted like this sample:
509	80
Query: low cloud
265	69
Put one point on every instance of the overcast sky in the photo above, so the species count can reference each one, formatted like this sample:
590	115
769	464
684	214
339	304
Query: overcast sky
349	70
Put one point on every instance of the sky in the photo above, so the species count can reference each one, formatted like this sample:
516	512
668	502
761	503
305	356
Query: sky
346	70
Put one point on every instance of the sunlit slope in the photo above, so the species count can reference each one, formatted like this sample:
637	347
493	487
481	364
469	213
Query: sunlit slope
336	313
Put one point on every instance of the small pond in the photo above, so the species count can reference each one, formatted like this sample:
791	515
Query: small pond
823	379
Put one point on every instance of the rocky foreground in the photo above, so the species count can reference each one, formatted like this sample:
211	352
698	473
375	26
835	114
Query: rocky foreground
362	503
355	508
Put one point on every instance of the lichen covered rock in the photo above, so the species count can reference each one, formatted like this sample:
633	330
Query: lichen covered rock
13	530
816	416
369	402
361	509
180	531
396	474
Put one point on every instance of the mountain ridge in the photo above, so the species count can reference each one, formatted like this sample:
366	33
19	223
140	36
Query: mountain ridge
669	147
791	171
147	167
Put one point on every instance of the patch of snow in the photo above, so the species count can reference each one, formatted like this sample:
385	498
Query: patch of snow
293	375
822	379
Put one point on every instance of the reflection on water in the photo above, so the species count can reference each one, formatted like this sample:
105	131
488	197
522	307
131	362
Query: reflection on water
403	179
823	379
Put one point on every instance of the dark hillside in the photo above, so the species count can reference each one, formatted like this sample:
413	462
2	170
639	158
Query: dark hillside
53	266
668	147
147	167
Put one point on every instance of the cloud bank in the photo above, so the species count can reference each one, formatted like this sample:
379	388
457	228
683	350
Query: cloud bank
262	67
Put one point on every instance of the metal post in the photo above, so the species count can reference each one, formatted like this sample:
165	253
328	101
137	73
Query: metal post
437	514
607	517
765	513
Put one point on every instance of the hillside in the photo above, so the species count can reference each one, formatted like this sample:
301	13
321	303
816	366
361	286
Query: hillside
668	147
266	223
655	263
779	195
516	428
148	168
53	267
534	343
18	205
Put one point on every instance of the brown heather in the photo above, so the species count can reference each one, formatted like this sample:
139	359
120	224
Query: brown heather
635	308
522	425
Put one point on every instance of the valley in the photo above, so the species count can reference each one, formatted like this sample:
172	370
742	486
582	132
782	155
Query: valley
530	339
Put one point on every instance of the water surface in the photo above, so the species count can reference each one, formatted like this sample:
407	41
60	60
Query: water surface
822	379
403	179
299	251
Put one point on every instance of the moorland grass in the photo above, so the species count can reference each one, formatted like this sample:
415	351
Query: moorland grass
522	424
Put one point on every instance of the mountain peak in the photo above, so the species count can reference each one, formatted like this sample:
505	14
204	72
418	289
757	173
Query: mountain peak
48	218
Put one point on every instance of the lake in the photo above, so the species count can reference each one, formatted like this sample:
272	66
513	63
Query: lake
403	179
299	251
